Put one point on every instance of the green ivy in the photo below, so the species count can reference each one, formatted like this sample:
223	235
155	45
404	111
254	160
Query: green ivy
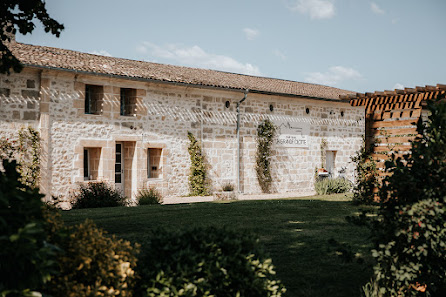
265	135
198	172
366	176
27	153
324	145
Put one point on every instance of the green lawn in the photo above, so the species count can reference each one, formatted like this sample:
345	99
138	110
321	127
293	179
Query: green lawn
295	232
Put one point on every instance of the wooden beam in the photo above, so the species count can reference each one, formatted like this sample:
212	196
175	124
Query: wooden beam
397	123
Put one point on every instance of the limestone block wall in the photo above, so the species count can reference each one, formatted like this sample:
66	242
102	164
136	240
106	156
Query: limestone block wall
19	102
161	116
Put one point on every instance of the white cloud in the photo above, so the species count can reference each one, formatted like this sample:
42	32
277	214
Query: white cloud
376	9
333	76
196	57
317	9
398	86
279	54
101	53
251	34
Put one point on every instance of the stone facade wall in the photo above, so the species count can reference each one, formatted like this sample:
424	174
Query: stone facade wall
162	114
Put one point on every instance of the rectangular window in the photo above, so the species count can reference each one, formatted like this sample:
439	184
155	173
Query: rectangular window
330	162
154	163
92	156
128	102
93	99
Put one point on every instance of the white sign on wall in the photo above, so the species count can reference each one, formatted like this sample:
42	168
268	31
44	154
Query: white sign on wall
292	134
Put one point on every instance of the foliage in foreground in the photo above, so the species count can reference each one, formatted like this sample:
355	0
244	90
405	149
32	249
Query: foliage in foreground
149	196
40	255
265	135
27	260
326	186
198	173
94	264
97	194
409	233
21	15
205	262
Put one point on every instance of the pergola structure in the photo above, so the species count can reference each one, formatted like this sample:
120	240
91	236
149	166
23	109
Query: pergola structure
391	118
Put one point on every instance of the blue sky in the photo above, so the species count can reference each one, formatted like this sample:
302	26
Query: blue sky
358	45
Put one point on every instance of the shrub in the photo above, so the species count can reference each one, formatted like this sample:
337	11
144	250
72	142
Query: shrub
228	187
409	232
327	186
94	264
97	194
26	257
205	262
149	196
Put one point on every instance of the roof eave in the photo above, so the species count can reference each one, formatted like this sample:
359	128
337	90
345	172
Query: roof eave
201	86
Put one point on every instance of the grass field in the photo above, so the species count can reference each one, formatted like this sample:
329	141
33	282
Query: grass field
295	233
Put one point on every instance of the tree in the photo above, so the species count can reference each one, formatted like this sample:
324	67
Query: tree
409	232
20	14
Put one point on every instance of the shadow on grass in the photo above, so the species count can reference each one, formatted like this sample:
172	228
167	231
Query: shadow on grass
294	232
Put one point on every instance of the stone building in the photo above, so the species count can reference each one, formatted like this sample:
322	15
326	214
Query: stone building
126	122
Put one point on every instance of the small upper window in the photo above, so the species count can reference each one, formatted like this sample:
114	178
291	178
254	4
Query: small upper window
128	102
93	99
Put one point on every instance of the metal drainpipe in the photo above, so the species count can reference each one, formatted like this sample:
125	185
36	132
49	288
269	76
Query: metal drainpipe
238	139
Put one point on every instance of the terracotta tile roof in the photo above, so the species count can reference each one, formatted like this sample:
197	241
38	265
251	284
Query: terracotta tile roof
42	56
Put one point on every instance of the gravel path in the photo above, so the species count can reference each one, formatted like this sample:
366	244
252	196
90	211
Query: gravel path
195	199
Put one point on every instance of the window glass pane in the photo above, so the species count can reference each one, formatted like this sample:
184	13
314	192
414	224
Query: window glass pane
118	178
87	99
148	164
86	169
123	102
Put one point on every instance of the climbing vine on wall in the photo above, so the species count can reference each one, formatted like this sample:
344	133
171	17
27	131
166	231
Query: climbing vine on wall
324	145
366	175
265	135
26	150
197	177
